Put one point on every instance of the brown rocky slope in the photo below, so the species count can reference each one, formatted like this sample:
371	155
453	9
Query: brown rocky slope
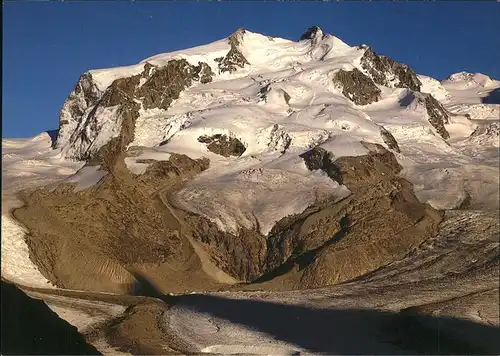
107	236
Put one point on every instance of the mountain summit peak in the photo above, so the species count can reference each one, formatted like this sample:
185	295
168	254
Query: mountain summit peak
311	33
237	36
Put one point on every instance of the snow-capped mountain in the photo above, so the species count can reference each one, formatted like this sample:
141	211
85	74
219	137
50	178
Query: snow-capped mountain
265	95
270	78
270	81
261	166
268	127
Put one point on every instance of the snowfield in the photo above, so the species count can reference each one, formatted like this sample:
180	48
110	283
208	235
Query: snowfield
16	263
258	196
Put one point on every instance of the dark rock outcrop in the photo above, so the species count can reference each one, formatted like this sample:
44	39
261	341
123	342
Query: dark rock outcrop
241	255
223	145
121	91
203	73
389	140
287	97
311	33
236	37
379	222
167	82
319	158
380	67
438	116
357	87
234	59
30	327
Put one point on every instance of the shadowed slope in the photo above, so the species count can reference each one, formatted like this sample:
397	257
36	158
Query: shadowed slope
350	331
30	327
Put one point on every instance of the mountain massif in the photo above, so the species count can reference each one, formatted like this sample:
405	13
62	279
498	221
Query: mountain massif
250	163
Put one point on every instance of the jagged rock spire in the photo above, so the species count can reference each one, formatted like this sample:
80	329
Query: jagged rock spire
311	33
234	58
236	37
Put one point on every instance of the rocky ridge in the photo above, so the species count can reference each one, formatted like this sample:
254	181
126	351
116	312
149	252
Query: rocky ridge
234	59
437	115
89	115
357	87
387	72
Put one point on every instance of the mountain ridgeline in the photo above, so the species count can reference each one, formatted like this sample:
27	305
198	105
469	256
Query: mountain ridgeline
251	160
83	132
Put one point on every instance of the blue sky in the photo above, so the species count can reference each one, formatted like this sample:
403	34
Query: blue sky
47	45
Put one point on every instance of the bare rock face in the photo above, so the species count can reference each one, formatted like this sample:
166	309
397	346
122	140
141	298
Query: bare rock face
389	140
437	115
91	119
203	73
379	222
311	33
357	87
223	145
387	72
86	90
240	255
165	84
234	59
319	158
85	95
